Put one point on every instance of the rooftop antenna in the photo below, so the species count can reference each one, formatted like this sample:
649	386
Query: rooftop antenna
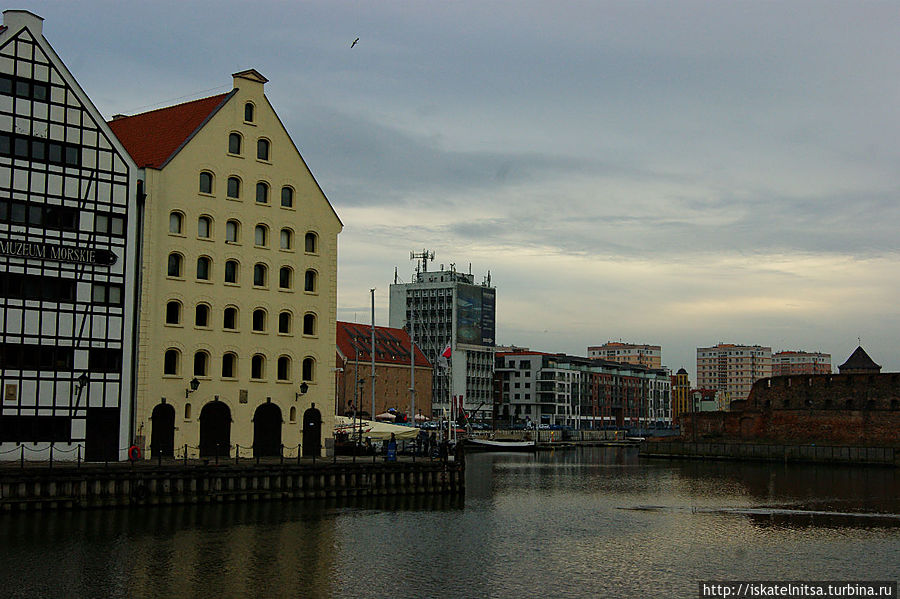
395	276
423	257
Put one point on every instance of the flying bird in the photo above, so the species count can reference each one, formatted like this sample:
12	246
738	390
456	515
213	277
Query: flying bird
354	42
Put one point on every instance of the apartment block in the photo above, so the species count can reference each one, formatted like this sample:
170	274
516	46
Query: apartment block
732	369
785	363
628	353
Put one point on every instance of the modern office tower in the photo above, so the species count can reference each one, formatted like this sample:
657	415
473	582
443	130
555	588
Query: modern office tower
681	393
581	393
628	353
67	260
239	289
445	311
732	369
800	362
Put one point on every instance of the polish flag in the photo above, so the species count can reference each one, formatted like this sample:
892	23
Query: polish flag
444	357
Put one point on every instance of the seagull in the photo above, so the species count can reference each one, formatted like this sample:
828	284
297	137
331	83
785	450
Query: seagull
354	42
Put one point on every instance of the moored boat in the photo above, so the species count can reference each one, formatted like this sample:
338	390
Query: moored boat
499	444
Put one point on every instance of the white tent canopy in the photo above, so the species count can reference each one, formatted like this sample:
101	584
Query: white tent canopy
377	431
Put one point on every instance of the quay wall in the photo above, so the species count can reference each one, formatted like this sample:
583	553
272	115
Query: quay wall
90	486
772	452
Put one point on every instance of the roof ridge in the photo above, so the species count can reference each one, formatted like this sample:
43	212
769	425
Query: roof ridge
180	104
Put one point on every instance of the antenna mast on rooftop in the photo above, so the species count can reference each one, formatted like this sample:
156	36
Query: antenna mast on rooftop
424	256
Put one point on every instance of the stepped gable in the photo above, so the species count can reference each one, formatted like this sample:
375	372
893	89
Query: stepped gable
859	362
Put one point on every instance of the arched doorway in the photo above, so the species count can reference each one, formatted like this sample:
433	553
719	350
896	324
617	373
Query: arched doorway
162	431
267	430
215	429
312	432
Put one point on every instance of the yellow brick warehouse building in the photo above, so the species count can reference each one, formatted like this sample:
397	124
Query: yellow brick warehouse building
239	281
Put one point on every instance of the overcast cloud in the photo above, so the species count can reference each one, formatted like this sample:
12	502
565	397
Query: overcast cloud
678	173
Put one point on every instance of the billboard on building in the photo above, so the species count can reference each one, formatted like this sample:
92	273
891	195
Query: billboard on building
475	309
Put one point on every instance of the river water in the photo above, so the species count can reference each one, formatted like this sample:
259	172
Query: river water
592	522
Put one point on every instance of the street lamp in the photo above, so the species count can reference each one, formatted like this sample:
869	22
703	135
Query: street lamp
303	389
194	385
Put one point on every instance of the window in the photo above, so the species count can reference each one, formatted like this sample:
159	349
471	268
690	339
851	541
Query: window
173	312
259	275
309	324
284	323
259	320
201	315
229	366
109	224
310	281
293	414
170	362
284	368
204	227
175	265
234	143
234	188
262	149
261	236
229	320
262	192
309	369
201	362
232	231
187	411
287	197
231	271
311	243
206	182
176	220
248	112
285	277
203	268
257	366
287	239
101	293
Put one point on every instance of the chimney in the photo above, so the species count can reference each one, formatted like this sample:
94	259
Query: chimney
17	19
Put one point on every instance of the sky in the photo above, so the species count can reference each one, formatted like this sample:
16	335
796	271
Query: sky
673	173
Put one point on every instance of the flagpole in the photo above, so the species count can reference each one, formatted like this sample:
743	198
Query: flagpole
372	291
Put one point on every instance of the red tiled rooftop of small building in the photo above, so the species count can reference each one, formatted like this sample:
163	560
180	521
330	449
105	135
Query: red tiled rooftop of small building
153	137
525	353
391	345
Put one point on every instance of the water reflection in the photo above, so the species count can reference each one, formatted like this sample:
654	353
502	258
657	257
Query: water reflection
561	523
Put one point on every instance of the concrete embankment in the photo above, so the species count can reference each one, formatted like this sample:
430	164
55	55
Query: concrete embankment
67	486
825	454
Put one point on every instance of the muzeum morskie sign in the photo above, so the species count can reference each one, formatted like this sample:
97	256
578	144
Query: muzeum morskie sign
56	252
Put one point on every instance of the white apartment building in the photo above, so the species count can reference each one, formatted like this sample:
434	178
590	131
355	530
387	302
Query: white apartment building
732	369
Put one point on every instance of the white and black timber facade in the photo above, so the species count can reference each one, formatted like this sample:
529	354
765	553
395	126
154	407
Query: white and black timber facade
68	222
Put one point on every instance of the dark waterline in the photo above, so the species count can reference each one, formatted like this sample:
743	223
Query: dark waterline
579	523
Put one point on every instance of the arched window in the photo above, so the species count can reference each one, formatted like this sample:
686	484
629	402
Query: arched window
248	112
187	411
230	318
201	315
231	271
176	222
285	277
173	312
284	323
260	271
262	192
310	280
229	366
206	182
309	324
204	227
257	366
201	363
311	243
287	239
261	236
309	369
293	414
287	197
174	265
234	143
284	368
259	320
234	188
232	231
204	265
262	149
170	362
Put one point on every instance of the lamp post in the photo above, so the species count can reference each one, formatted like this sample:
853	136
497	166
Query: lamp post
194	385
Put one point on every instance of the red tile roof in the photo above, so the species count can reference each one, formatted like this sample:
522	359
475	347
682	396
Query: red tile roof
152	138
391	345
